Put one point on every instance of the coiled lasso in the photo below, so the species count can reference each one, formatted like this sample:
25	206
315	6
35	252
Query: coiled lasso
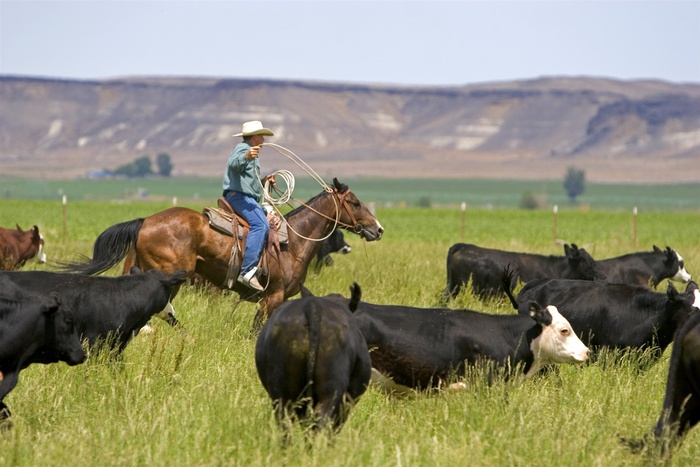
289	180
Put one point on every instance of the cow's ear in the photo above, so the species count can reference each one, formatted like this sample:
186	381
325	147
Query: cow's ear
178	277
670	258
656	249
691	287
671	291
135	270
567	249
541	315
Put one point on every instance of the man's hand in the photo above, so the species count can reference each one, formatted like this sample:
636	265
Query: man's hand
270	178
273	220
252	152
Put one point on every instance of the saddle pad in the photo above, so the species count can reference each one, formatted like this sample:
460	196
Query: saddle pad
220	221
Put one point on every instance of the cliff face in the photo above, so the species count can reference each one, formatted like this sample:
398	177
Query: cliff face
615	130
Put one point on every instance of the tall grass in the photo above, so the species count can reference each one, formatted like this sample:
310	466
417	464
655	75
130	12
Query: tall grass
193	398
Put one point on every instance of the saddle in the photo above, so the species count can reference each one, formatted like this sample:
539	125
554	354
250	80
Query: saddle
224	220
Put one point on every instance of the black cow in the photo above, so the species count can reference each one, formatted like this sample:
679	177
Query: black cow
645	267
681	406
334	243
485	265
33	329
424	347
111	309
613	315
310	356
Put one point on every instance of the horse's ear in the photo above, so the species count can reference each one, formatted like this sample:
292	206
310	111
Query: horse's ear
340	187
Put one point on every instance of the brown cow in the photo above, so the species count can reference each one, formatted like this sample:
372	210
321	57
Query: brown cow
17	246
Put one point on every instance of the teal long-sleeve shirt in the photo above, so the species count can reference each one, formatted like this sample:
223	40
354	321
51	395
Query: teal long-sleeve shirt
241	174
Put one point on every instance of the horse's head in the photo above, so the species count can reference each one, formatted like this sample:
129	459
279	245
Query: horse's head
354	215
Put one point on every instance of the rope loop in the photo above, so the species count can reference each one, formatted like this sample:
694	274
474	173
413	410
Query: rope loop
286	195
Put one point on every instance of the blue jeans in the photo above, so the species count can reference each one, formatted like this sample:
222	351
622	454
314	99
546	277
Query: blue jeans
250	210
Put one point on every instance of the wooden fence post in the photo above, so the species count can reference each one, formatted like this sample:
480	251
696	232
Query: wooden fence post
634	227
65	223
464	212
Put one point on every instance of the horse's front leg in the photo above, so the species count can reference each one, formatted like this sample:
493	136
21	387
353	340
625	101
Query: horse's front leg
267	307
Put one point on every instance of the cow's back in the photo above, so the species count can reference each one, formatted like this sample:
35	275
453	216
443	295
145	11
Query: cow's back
417	347
483	266
311	347
102	305
9	253
627	269
681	407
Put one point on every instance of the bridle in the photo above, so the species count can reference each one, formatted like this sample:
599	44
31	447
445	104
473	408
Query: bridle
355	227
340	200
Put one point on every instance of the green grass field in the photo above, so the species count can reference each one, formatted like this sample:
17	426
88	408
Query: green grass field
193	397
477	194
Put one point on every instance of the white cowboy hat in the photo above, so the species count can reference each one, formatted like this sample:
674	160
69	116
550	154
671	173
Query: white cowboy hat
254	128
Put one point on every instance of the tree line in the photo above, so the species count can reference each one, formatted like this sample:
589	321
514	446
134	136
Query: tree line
143	167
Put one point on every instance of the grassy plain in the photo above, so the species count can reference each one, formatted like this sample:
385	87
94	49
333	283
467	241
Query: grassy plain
193	398
476	193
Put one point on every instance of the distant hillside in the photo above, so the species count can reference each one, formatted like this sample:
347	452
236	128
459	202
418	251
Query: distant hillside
635	131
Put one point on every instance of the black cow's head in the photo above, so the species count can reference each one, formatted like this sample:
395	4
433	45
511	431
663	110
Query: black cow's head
582	263
674	265
680	305
334	243
62	335
170	283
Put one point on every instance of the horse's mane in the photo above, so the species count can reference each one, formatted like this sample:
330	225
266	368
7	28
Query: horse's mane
341	187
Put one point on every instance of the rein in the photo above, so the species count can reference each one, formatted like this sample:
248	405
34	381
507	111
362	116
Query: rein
286	195
355	226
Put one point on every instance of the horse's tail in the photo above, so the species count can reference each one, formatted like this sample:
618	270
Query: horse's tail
110	248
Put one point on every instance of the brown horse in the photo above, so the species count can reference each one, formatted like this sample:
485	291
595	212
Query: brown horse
181	239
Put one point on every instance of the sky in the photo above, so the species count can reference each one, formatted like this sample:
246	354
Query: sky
376	42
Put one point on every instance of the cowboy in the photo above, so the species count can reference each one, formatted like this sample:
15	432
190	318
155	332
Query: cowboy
244	192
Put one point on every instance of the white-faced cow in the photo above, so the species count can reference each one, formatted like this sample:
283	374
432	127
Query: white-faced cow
645	267
334	243
106	309
681	406
18	246
613	315
423	348
33	329
313	361
484	267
